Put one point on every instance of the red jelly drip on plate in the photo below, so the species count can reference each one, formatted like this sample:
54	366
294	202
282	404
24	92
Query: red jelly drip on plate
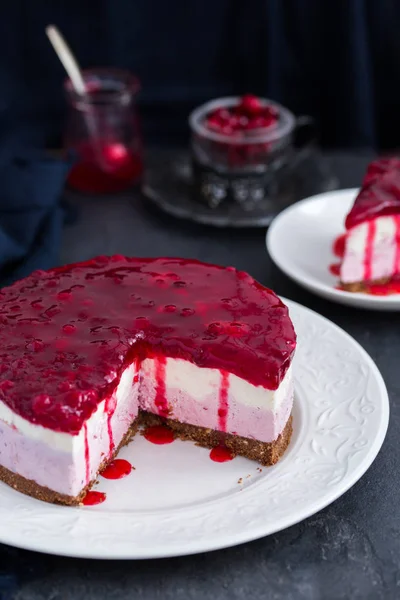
335	269
92	498
221	454
339	245
117	469
159	434
386	289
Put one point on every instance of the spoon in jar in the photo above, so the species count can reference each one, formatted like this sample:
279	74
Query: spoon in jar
74	72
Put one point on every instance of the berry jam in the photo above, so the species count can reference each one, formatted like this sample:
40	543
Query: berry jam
104	168
120	310
380	193
243	124
249	115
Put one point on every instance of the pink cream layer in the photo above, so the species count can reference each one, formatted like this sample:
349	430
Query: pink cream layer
215	399
59	461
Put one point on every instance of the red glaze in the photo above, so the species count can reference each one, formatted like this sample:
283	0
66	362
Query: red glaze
221	454
93	498
380	193
159	434
339	245
335	269
117	469
122	311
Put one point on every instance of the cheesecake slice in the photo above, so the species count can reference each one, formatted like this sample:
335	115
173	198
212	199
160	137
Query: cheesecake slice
372	241
91	350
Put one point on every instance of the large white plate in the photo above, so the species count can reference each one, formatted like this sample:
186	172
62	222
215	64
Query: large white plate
300	240
178	501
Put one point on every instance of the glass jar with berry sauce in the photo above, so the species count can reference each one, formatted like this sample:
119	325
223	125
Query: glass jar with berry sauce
103	132
238	144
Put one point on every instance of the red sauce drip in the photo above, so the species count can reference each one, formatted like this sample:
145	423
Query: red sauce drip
339	246
125	309
93	498
396	268
110	406
161	398
159	434
369	247
223	401
117	469
87	455
335	269
221	454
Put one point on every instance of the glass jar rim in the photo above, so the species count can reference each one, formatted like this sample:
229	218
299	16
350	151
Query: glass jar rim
129	86
284	127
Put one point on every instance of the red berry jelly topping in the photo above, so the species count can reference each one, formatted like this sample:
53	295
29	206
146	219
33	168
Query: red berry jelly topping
380	192
251	113
67	334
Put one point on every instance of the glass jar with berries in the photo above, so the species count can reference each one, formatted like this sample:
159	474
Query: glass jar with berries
237	144
103	132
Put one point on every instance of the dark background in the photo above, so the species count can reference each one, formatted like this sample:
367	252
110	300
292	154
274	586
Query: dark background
338	61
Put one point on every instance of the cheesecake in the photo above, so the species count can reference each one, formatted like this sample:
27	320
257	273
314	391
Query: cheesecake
91	351
371	257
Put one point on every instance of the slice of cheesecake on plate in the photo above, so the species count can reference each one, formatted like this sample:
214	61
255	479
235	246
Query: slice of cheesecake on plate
371	258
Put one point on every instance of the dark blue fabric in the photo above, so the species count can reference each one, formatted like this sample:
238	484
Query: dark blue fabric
338	61
31	215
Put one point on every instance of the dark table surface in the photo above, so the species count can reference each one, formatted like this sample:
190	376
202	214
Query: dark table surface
351	550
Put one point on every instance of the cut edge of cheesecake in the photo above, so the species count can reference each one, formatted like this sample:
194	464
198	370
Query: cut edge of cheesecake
265	453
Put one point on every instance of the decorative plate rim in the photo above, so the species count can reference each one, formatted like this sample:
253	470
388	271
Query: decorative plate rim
391	302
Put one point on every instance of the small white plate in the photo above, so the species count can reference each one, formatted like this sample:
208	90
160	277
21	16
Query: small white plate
300	241
178	501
